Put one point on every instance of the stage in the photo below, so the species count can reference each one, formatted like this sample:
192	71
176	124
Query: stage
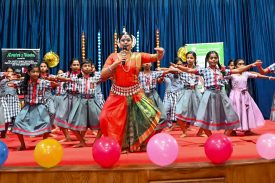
245	165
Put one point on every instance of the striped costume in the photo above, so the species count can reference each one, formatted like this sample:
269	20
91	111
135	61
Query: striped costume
86	109
7	113
34	118
12	99
98	93
174	88
215	111
189	100
69	98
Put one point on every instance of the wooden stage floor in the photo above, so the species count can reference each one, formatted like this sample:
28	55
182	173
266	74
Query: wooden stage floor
241	171
191	166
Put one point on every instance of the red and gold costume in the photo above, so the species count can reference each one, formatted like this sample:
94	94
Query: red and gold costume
127	115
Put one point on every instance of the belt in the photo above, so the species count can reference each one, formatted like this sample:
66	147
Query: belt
218	88
149	91
86	96
72	92
125	91
61	94
33	104
189	87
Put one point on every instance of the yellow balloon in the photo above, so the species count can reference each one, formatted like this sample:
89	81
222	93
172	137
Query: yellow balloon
48	153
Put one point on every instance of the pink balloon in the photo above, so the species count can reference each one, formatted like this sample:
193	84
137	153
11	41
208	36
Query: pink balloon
266	146
218	148
106	151
162	149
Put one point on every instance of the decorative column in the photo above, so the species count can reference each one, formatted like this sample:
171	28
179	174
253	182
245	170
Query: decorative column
157	45
115	42
99	51
83	47
137	48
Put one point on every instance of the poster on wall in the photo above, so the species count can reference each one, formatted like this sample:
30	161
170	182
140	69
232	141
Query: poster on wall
202	49
19	59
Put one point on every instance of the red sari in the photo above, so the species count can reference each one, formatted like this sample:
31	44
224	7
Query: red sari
130	119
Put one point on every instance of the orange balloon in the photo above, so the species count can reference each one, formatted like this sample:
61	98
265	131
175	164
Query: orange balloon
48	153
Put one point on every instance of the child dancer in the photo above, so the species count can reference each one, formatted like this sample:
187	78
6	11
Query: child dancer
227	83
269	69
2	116
68	99
44	74
215	111
231	64
59	91
249	114
99	97
11	97
34	118
148	80
86	110
166	100
4	113
189	100
58	98
98	93
174	86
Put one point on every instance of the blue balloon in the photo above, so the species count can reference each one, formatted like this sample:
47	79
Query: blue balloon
4	151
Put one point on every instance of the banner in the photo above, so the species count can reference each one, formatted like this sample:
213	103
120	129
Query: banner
202	49
19	59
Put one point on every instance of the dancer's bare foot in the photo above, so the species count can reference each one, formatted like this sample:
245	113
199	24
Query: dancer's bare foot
66	140
143	148
207	132
190	129
183	135
53	135
3	135
21	148
233	133
201	135
124	152
94	132
249	133
167	129
80	145
56	130
230	133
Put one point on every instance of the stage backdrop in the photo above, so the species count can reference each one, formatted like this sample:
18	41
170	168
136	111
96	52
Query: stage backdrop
245	26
